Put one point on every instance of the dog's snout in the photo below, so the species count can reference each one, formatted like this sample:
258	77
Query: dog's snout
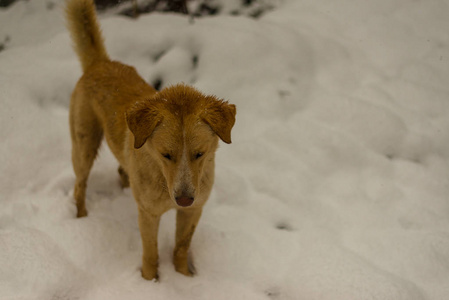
184	201
184	189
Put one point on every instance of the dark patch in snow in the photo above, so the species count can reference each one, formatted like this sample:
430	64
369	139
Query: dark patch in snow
415	160
50	5
283	93
247	2
273	293
157	83
159	55
3	44
253	8
132	12
59	99
284	226
235	13
6	3
193	80
135	8
103	4
206	9
257	13
195	61
250	8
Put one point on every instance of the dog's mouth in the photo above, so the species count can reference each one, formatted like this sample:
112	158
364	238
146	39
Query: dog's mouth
184	201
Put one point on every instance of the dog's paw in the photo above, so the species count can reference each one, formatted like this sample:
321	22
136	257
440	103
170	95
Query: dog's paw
81	210
187	269
150	275
81	213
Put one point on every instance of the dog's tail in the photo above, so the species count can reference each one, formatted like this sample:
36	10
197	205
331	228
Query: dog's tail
85	31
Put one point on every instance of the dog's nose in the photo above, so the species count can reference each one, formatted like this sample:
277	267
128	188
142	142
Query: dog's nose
184	201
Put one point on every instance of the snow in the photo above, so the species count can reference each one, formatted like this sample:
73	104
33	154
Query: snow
336	185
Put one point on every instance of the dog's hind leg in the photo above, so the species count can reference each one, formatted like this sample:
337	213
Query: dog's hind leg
124	179
86	139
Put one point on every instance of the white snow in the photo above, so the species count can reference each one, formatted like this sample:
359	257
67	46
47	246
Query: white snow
336	185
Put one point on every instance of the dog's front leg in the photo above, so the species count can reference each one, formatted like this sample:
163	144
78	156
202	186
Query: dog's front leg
149	225
186	221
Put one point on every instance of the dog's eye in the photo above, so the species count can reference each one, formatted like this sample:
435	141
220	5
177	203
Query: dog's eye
198	155
167	156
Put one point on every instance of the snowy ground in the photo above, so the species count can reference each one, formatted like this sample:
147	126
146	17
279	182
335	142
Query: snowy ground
336	185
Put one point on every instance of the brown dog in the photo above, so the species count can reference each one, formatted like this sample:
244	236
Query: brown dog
164	141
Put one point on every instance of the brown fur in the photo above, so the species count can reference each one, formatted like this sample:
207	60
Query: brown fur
165	142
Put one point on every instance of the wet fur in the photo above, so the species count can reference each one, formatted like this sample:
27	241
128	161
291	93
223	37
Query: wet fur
165	141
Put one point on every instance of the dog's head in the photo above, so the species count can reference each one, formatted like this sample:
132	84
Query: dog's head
179	127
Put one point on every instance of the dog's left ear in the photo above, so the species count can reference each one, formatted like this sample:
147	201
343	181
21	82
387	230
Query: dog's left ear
220	116
142	119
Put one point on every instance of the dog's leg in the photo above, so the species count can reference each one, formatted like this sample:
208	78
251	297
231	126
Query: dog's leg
124	179
149	225
86	140
186	221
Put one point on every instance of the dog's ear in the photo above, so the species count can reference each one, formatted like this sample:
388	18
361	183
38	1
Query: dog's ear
220	116
142	119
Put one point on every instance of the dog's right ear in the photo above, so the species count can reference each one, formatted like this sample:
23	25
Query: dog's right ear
220	116
142	119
